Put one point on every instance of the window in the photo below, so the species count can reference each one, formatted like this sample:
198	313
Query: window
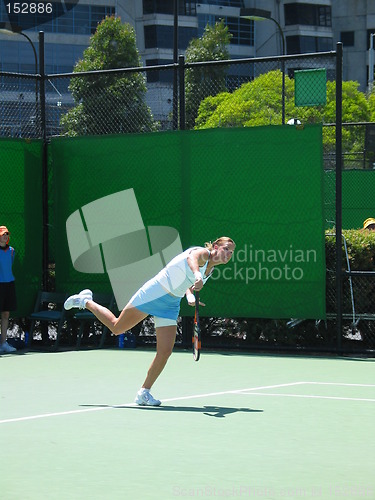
185	7
306	44
241	29
59	58
324	44
325	19
224	3
98	14
347	38
64	24
82	19
158	6
306	14
158	36
167	7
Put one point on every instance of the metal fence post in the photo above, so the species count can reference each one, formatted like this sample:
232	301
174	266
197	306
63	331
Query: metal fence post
186	321
181	76
175	60
283	92
45	253
339	271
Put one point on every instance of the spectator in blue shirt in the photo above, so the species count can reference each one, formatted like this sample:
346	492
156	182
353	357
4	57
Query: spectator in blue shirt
8	301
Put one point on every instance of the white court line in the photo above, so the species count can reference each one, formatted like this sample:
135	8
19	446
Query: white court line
237	391
101	408
308	396
339	383
210	394
319	397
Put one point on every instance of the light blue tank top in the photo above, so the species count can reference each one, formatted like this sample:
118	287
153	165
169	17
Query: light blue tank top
176	277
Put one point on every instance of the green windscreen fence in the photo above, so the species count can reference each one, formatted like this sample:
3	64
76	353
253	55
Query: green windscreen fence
358	200
261	186
21	212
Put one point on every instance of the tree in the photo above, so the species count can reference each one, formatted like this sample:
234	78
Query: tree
259	103
254	103
355	108
204	81
371	102
109	103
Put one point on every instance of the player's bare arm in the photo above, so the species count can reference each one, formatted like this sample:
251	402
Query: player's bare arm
196	259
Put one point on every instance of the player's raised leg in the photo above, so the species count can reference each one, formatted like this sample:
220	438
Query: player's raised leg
128	318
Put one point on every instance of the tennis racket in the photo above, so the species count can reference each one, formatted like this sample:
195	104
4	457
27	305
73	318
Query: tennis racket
197	330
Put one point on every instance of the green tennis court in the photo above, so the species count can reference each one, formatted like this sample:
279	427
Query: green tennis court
232	425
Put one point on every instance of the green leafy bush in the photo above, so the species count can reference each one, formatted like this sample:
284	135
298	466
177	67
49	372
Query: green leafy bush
360	246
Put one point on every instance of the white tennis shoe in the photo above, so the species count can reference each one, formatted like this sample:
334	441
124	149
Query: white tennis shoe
144	398
78	300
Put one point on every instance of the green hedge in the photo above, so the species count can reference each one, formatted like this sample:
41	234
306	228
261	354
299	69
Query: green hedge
360	246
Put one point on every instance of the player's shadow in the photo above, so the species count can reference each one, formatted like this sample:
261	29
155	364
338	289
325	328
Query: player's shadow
210	411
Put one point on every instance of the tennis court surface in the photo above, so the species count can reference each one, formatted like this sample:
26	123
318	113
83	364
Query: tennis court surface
231	425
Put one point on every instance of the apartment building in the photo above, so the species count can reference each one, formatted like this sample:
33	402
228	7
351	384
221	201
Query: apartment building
293	27
316	26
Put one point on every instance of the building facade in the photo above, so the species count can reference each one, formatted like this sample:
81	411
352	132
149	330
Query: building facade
316	26
300	26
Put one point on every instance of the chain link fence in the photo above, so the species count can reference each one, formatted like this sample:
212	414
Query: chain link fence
110	103
149	99
358	146
19	106
236	93
358	288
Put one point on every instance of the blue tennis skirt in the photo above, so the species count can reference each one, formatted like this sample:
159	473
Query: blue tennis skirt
153	299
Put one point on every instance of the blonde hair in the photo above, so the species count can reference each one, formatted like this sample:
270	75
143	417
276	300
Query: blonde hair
219	241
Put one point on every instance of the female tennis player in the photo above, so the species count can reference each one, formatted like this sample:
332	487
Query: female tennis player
161	297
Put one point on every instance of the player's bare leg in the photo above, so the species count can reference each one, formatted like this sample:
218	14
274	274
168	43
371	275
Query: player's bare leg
165	339
129	317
